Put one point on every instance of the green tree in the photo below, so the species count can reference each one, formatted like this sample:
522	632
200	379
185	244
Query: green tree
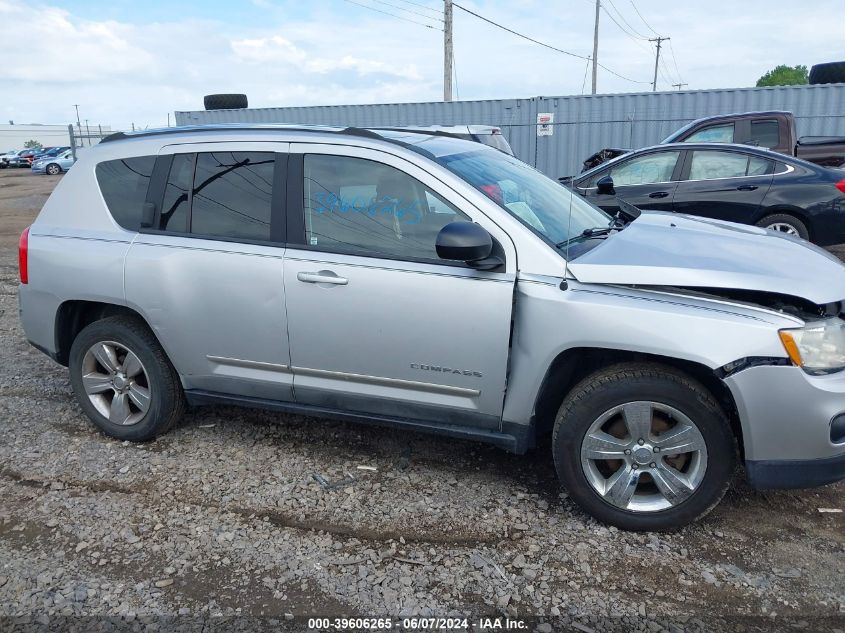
784	75
30	144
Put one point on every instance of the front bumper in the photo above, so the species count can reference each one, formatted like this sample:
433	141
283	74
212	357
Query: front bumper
786	417
39	169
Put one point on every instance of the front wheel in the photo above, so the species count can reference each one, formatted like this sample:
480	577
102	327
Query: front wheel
643	447
123	380
53	169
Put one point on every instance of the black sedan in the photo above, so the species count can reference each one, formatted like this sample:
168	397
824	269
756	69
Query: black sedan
739	183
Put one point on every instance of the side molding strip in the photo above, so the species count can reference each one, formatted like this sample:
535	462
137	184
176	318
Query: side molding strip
387	382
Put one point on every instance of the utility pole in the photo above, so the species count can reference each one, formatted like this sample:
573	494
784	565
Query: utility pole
447	50
659	40
679	86
596	45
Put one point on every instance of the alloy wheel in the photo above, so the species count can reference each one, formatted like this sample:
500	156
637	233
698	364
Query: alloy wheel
116	383
783	227
644	456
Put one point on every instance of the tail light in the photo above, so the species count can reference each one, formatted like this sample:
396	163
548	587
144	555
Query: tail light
841	186
23	256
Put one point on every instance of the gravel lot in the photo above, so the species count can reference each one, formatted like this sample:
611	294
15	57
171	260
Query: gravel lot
221	524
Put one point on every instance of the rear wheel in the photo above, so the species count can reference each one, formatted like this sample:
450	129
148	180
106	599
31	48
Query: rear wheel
785	223
643	447
123	380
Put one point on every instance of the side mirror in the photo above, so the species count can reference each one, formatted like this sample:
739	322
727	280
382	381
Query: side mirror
463	241
604	186
148	214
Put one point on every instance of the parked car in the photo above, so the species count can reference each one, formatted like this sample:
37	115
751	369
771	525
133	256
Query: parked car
6	157
774	130
53	165
433	284
22	158
486	134
725	182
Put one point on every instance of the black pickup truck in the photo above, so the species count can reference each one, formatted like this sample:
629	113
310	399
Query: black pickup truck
774	130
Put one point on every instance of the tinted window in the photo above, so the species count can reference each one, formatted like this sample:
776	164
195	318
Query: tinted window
657	167
124	183
707	165
174	208
365	207
765	133
232	195
714	134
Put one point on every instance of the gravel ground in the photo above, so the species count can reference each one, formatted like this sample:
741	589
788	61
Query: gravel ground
221	524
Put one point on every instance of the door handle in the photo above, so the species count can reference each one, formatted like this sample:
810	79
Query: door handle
322	277
658	194
746	188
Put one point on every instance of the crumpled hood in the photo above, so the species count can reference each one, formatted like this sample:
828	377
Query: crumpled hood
669	249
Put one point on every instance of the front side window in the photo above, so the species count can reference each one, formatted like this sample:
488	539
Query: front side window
123	183
643	170
368	208
708	165
713	134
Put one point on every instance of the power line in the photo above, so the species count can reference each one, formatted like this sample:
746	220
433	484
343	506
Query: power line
586	70
675	62
393	15
417	4
632	33
396	6
543	44
642	18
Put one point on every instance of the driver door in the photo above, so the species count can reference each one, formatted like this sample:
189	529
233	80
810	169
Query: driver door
377	323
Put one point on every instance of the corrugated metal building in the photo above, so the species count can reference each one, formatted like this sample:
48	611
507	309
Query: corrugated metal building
582	124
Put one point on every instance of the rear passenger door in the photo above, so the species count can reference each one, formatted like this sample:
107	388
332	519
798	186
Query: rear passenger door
378	324
208	275
723	184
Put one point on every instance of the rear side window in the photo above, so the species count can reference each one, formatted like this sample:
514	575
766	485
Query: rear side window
765	133
220	194
232	195
708	165
123	183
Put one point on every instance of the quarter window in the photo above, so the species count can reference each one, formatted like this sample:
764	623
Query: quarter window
123	183
643	170
713	134
174	208
708	165
364	207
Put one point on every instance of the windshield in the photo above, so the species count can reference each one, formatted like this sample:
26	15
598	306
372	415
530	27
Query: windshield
550	209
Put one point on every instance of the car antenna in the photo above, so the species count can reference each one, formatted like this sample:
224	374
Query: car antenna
565	284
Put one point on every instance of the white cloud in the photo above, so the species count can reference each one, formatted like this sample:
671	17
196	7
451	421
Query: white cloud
122	72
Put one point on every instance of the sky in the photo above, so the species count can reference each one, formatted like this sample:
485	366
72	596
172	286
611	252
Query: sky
127	62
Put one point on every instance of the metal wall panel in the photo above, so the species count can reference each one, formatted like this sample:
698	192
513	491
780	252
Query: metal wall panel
583	124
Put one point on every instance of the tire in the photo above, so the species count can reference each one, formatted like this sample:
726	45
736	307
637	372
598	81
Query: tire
225	102
165	400
53	169
830	73
663	387
785	223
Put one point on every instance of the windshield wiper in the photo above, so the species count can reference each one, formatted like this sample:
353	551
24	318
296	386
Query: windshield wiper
594	231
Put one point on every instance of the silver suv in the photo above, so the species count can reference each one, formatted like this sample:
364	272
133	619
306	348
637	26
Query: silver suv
435	284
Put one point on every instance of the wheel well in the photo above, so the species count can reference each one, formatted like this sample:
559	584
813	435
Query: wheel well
571	365
794	212
73	316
